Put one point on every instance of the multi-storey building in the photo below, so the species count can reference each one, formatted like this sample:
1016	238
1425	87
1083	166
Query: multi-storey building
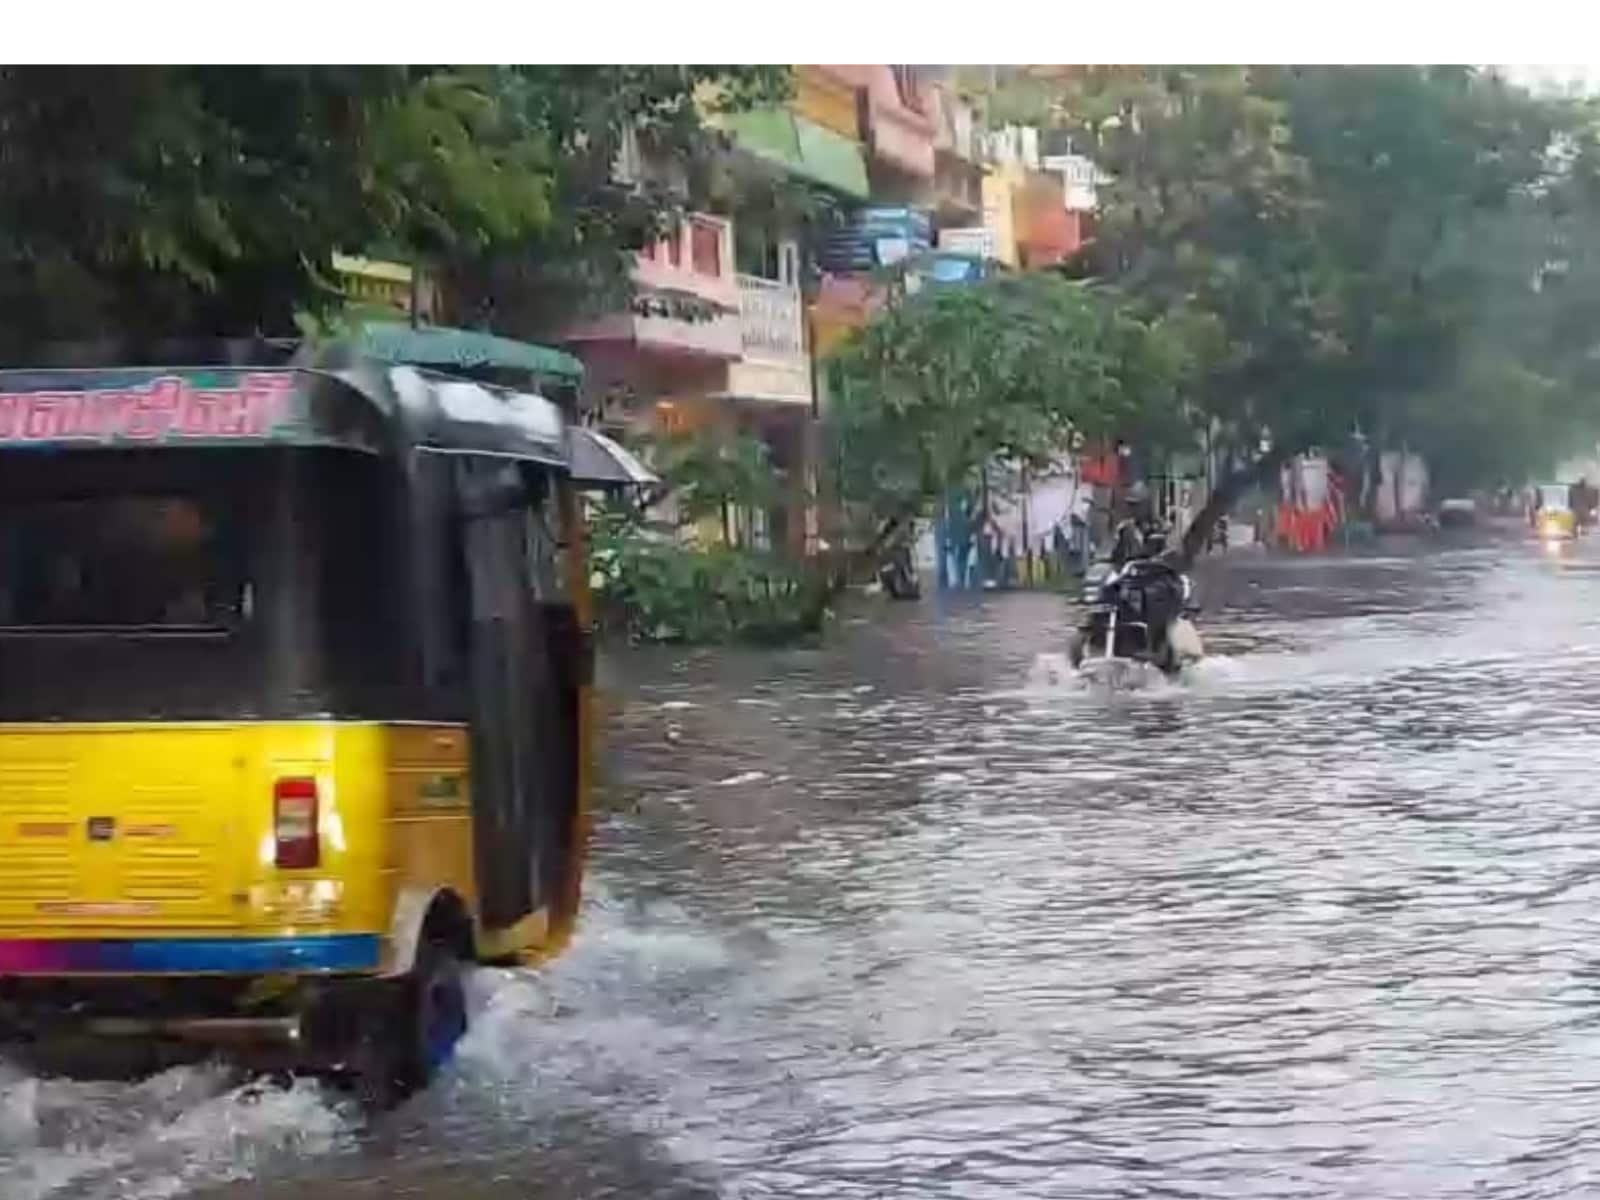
733	313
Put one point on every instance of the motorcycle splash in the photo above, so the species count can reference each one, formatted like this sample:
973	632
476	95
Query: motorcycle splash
1138	625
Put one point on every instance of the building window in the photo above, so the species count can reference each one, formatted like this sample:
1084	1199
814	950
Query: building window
758	253
130	563
755	251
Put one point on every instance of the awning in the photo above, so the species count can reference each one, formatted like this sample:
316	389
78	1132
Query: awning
464	349
802	147
596	459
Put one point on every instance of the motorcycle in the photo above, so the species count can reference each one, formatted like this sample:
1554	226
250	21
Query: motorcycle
1217	539
1139	615
898	577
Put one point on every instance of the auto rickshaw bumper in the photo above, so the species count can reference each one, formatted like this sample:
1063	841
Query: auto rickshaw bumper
293	1006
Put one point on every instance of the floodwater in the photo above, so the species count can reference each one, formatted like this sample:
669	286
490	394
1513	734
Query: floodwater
910	915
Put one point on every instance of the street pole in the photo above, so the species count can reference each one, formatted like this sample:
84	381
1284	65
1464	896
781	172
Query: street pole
1027	544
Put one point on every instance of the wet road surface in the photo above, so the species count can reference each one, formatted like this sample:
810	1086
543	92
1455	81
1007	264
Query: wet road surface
911	915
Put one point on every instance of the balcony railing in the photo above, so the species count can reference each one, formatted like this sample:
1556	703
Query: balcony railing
696	257
773	367
770	322
693	263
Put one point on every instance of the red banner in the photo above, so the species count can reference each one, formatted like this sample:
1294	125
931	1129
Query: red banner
169	407
1100	469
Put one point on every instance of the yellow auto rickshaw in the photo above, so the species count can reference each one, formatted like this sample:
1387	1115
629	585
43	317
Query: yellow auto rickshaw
1552	515
294	672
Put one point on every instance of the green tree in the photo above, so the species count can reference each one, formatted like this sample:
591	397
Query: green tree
148	202
578	264
655	585
1312	222
941	384
711	474
1525	392
142	202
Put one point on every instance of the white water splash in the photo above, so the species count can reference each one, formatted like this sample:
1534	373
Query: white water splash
155	1139
742	778
1051	673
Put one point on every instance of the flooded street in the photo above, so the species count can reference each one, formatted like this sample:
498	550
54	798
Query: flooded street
910	915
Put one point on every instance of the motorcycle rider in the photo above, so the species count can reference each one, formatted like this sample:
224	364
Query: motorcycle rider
1582	499
1135	530
898	574
1150	584
1165	596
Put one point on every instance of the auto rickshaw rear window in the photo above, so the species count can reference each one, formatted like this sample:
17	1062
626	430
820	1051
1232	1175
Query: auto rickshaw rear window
122	562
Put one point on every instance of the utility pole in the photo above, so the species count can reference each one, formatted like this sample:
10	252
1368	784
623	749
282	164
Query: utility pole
1027	544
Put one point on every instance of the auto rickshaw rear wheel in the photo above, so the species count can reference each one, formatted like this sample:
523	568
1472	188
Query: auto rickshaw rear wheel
402	1047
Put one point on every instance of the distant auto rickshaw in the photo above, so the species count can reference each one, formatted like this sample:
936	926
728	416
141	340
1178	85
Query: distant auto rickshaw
1552	516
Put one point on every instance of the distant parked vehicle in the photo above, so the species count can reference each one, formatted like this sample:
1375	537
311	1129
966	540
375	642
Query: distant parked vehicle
1460	512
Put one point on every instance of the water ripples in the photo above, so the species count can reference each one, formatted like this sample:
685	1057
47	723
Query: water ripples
913	915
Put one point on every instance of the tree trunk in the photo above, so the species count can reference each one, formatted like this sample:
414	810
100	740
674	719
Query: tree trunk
1232	486
1399	484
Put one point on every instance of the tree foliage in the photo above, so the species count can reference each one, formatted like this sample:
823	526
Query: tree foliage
590	116
656	585
654	588
146	202
712	474
1019	367
160	201
1525	391
1323	228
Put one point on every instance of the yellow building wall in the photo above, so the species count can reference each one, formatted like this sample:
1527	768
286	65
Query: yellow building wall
383	284
1000	187
826	99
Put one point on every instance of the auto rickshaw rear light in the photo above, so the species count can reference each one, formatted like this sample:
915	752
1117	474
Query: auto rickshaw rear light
294	824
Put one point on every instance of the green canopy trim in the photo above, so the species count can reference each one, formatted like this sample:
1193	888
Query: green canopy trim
802	147
442	348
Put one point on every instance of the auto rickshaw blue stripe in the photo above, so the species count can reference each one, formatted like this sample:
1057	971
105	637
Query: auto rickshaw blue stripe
232	956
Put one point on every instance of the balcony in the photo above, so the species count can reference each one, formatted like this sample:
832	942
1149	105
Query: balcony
957	190
957	160
774	366
695	259
688	300
955	129
1080	179
899	128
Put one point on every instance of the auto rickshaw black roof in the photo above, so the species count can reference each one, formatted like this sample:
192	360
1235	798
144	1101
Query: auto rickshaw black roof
358	404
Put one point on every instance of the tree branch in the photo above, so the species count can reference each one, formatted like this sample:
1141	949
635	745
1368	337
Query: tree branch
1222	497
